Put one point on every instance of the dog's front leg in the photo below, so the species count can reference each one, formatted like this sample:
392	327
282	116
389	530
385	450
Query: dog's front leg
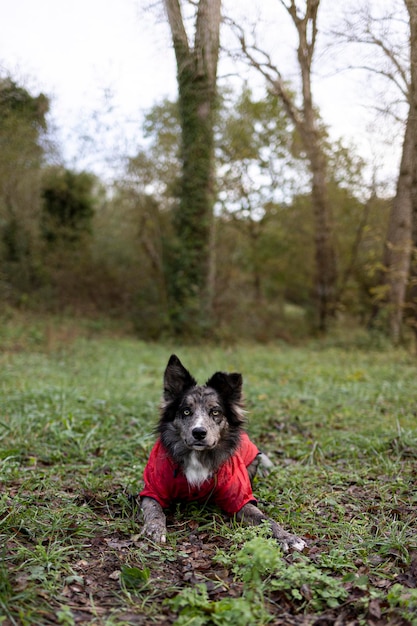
154	520
250	514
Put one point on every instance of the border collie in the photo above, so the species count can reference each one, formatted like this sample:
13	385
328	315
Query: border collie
203	454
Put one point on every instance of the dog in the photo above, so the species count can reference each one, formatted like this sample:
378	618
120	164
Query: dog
203	454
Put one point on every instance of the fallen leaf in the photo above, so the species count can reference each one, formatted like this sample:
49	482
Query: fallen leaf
193	524
306	592
374	608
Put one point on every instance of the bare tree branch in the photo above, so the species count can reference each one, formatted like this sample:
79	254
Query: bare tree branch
262	62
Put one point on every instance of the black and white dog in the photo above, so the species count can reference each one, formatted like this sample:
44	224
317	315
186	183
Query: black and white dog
203	454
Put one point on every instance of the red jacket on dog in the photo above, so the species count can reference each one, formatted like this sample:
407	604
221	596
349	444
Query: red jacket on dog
229	488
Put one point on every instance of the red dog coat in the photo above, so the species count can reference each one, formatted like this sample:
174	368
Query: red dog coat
229	488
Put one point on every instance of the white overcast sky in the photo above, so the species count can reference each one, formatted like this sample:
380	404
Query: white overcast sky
111	59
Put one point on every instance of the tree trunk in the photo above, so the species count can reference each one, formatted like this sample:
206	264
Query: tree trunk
412	10
325	256
398	243
196	74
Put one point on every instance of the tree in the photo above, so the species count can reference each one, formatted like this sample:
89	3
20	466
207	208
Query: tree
398	244
412	11
197	89
258	170
68	205
381	36
22	127
305	120
147	188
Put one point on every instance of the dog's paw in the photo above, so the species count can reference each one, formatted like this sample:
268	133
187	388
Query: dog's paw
265	464
292	542
156	532
287	540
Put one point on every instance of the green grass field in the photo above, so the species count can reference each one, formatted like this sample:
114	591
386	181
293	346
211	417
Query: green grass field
76	421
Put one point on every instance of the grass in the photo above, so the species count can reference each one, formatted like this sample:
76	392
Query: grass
76	419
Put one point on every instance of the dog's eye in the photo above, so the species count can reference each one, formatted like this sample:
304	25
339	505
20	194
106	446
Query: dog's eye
215	412
186	412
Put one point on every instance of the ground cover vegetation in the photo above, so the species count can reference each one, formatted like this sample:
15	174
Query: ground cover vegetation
78	405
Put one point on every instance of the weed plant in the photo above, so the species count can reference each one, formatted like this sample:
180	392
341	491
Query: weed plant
76	427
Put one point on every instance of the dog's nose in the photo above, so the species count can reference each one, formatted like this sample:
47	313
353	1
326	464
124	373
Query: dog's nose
199	433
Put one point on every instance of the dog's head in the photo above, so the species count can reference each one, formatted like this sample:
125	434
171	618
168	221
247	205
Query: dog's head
201	416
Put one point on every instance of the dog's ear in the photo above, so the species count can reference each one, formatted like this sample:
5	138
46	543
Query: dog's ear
176	379
229	386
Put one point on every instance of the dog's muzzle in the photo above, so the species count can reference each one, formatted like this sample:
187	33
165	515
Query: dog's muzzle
199	433
199	439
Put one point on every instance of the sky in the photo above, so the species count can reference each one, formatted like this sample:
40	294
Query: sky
104	62
88	56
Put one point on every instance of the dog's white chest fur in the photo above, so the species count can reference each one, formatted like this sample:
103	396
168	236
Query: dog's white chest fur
195	471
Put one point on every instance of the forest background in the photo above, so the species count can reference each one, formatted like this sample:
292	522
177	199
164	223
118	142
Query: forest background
296	230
